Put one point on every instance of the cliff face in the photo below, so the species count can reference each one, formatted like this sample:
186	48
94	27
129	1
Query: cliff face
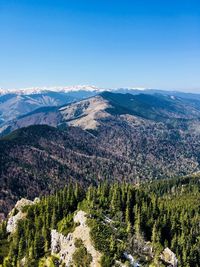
17	214
65	247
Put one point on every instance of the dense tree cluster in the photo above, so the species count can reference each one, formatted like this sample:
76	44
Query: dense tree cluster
139	219
166	213
81	257
36	159
32	238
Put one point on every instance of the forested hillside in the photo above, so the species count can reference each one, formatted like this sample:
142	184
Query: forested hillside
124	219
88	113
104	178
39	158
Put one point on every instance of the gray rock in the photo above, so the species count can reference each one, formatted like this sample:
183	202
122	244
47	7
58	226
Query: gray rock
169	257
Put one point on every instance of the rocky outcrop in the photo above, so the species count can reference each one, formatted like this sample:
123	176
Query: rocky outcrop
17	213
64	245
131	260
12	222
169	257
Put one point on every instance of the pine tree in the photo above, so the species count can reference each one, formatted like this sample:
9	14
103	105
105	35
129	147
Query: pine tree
38	246
21	248
116	199
137	223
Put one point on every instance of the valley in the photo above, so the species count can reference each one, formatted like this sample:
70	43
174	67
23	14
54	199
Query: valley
99	133
106	137
126	165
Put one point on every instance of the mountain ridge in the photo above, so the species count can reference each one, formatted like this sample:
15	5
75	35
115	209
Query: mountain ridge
110	136
86	113
18	102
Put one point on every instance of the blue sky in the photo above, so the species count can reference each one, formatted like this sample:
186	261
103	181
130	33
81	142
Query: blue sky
144	43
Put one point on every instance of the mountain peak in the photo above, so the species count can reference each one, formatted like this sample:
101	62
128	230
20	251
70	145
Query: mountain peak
38	90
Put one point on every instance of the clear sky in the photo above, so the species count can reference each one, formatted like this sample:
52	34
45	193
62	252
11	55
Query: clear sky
107	43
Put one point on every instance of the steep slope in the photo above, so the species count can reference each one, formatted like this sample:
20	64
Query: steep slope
155	107
39	159
88	113
45	115
112	224
65	246
84	113
15	103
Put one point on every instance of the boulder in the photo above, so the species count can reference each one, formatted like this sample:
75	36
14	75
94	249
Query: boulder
17	213
168	257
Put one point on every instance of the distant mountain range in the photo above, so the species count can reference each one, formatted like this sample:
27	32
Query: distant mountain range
18	102
15	103
113	136
85	113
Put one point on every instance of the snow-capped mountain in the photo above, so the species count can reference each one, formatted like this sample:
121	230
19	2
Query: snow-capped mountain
18	102
62	89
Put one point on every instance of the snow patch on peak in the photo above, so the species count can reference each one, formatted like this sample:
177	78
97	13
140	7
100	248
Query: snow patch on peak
61	89
64	89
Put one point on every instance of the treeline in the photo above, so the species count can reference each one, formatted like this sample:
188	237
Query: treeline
139	219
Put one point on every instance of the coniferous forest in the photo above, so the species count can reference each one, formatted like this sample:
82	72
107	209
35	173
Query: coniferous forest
99	133
140	219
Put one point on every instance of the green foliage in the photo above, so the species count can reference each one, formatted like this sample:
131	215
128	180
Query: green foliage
50	261
101	235
4	249
3	233
122	217
32	238
66	225
164	212
81	257
106	260
78	243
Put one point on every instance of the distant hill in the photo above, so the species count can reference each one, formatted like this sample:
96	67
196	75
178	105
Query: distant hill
15	103
88	113
107	137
